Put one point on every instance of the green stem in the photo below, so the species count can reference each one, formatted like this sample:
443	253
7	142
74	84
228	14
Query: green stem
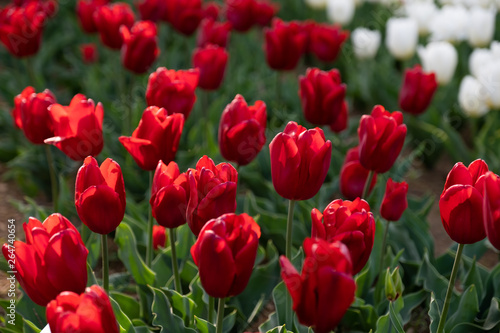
278	86
382	254
211	303
366	188
288	254
220	315
149	249
53	179
31	73
105	263
449	292
175	268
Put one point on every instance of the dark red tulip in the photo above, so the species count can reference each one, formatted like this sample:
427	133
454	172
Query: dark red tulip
240	13
213	32
212	192
77	127
211	10
152	10
394	202
18	101
184	15
349	222
300	160
461	203
109	18
156	138
140	46
100	195
53	259
417	90
88	312
381	138
173	90
211	61
169	195
225	253
284	44
324	291
89	53
159	237
491	208
322	95
340	123
85	12
325	41
265	11
353	176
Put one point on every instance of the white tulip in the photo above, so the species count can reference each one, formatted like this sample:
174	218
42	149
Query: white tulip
449	24
340	11
478	59
422	12
495	48
401	37
489	77
481	26
316	4
440	58
471	97
365	42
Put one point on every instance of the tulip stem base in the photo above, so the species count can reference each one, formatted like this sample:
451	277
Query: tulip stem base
53	179
383	250
149	249
211	303
175	268
366	188
449	292
105	263
220	315
288	254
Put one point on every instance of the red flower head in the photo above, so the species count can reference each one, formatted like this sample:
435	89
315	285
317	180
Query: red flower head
211	10
417	90
156	138
300	160
152	10
285	43
85	11
211	61
491	208
108	20
349	222
184	15
159	237
213	32
340	123
461	203
353	176
77	127
88	312
324	291
89	53
140	46
212	192
394	202
242	130
240	13
173	90
225	253
381	138
264	11
53	259
100	195
325	40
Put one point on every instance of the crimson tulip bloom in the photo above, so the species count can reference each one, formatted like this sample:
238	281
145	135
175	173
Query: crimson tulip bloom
108	20
53	259
156	138
240	13
89	312
417	90
159	237
491	208
300	160
152	10
322	95
77	127
264	11
212	192
325	41
381	138
89	53
100	195
394	202
211	10
324	291
140	46
225	253
213	32
85	12
173	90
211	61
461	203
184	15
284	45
349	222
340	122
353	176
169	195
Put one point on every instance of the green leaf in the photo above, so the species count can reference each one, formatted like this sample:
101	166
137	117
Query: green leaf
394	316
278	329
128	304
29	327
122	319
432	280
163	315
31	311
361	317
182	305
434	314
204	326
280	293
411	301
270	323
466	311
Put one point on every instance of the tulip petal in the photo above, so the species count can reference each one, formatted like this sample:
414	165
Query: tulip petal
100	208
169	206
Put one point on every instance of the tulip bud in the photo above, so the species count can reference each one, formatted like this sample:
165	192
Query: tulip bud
285	42
85	12
478	59
325	41
422	12
140	46
211	61
159	237
108	20
213	32
366	42
211	10
353	176
450	24
481	26
265	11
152	10
441	58
401	37
394	202
417	90
89	53
489	77
184	15
393	284
472	97
491	208
340	11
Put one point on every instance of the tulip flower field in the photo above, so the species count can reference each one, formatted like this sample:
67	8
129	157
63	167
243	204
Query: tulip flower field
268	166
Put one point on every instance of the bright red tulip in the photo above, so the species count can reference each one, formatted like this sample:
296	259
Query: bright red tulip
152	10
88	312
340	123
381	138
184	15
53	259
89	53
213	32
212	192
225	253
324	291
173	90
300	160
159	237
284	45
325	41
349	222
140	46
100	195
417	90
85	12
211	61
77	127
156	138
394	202
491	208
353	176
109	18
461	203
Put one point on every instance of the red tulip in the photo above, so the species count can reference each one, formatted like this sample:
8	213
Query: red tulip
264	11
152	10
491	208
225	253
109	18
349	222
156	138
77	127
322	95
394	202
88	312
140	46
325	41
381	138
240	13
184	15
100	195
212	192
353	176
211	61
340	123
285	43
300	160
89	53
169	195
53	259
461	203
211	10
173	90
85	12
242	130
213	32
159	237
417	90
324	291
